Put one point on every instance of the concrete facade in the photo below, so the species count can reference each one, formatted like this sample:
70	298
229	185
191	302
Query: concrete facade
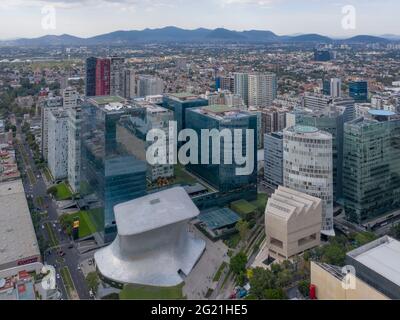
292	223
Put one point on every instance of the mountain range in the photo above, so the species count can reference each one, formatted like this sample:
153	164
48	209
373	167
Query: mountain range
174	34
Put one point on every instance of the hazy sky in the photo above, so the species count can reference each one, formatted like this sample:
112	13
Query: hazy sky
23	18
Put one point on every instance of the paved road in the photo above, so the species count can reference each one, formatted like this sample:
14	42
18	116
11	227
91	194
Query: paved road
39	189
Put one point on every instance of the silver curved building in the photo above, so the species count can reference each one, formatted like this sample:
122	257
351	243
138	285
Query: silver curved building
308	167
153	246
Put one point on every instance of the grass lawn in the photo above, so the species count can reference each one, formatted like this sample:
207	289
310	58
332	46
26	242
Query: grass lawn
52	236
63	192
218	274
147	292
243	207
86	225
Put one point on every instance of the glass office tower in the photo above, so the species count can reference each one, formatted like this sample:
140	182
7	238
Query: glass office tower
223	176
358	90
111	169
371	171
179	102
331	122
91	76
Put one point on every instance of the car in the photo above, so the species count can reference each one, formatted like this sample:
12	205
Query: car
38	176
71	246
58	276
79	268
61	253
42	226
54	225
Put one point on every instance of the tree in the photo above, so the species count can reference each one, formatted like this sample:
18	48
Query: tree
261	280
304	288
334	254
242	227
274	294
238	263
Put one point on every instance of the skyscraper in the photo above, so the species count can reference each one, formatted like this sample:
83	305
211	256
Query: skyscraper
91	76
129	84
371	170
241	86
74	147
336	88
111	171
179	102
117	76
223	176
149	85
262	89
307	167
58	144
273	160
358	90
103	77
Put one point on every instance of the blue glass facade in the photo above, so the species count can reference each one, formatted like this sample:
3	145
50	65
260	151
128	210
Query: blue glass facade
273	160
371	170
223	176
358	90
179	105
91	76
111	171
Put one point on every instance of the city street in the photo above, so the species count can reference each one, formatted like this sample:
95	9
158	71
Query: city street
72	258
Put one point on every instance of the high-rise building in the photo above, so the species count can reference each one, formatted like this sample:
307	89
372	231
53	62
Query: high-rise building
91	76
336	88
70	98
241	86
322	55
222	175
358	90
225	83
49	105
154	117
273	160
331	121
111	172
273	119
149	85
225	97
307	167
129	84
103	77
262	89
326	87
117	76
58	144
179	102
371	170
316	102
74	147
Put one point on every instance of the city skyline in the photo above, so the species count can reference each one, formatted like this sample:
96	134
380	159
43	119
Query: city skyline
75	17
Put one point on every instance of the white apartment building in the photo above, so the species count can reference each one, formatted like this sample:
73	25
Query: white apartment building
74	147
129	84
49	105
70	98
241	86
308	167
58	144
262	89
336	87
